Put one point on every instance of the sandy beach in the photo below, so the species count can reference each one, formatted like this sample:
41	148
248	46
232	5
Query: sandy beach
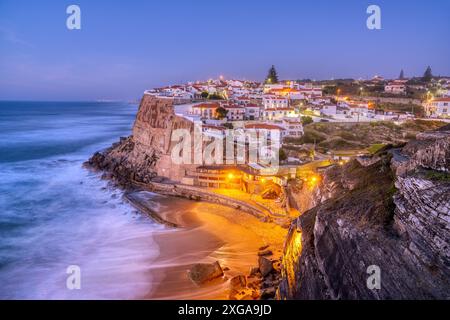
206	233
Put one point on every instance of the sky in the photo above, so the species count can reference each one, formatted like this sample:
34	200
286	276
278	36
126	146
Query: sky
126	47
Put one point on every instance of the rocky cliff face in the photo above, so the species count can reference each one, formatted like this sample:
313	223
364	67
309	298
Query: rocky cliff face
392	212
147	153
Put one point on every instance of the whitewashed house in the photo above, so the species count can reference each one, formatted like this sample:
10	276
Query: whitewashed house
273	114
275	102
205	110
438	107
294	128
235	113
328	110
267	129
252	112
396	87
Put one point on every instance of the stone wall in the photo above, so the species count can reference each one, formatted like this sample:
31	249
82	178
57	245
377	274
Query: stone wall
198	194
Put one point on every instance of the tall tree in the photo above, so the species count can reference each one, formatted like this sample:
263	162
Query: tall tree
402	75
272	76
427	75
221	113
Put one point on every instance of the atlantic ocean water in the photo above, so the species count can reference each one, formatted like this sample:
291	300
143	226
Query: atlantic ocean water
54	213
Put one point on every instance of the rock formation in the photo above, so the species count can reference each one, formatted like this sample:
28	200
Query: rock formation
392	213
147	153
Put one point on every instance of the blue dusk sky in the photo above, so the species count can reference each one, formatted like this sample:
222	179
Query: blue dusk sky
125	47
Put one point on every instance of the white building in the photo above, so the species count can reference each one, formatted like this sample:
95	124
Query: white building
289	93
361	109
252	112
328	110
270	87
213	130
446	93
438	107
205	110
311	92
235	113
266	129
396	87
274	102
272	114
294	128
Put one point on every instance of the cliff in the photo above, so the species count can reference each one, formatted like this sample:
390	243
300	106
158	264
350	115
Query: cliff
391	211
147	153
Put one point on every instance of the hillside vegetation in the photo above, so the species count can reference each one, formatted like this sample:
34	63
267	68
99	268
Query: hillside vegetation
344	136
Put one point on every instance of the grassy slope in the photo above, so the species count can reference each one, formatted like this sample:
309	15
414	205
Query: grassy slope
344	136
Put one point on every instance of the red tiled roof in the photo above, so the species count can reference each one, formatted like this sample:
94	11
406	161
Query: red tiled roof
280	109
263	126
445	99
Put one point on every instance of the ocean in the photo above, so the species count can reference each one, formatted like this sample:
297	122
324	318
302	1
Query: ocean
55	214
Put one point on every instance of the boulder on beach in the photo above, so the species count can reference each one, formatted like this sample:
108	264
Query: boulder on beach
265	266
238	282
268	293
254	271
204	272
265	253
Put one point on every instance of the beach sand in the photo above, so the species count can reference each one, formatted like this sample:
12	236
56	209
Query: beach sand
206	233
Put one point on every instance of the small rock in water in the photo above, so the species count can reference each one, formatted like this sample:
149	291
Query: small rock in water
203	272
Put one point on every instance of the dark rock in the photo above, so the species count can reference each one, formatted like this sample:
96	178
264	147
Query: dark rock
265	266
238	282
254	271
390	214
203	272
268	293
265	253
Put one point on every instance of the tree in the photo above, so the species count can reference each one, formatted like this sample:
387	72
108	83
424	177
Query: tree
427	75
307	120
205	94
228	125
402	75
221	113
272	76
215	96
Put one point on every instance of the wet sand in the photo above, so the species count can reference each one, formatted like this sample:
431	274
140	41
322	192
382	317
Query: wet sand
206	233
